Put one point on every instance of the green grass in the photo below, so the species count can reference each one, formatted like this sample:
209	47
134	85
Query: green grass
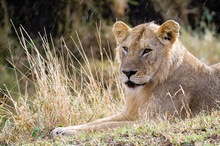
69	92
201	130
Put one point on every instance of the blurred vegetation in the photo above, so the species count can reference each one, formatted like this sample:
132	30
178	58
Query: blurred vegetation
63	18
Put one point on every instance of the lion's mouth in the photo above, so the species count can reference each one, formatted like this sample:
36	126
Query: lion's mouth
131	84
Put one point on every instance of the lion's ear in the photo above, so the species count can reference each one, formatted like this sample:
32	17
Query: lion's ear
168	32
121	31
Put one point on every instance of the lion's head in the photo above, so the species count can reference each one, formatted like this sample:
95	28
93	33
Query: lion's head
145	52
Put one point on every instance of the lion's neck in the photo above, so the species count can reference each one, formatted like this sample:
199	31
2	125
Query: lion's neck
184	61
167	67
177	54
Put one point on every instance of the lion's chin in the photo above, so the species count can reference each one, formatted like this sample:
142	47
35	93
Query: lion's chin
133	85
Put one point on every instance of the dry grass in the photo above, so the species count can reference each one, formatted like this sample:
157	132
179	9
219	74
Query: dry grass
69	92
63	93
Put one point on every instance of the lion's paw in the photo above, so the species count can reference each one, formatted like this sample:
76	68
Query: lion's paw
62	131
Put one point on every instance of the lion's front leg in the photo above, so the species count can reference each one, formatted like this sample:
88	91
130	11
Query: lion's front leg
98	125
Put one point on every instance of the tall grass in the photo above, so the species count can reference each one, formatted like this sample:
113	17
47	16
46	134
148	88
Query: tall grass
66	91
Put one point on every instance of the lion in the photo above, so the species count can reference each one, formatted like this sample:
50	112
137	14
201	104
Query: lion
160	77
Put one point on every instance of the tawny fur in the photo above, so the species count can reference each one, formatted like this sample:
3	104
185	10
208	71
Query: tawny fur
171	81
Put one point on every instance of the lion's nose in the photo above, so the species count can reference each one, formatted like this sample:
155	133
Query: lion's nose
129	73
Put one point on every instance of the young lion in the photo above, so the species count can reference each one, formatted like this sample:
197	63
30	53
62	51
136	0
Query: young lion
160	77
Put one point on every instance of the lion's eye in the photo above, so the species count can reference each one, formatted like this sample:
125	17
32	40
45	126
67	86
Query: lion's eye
125	48
146	51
